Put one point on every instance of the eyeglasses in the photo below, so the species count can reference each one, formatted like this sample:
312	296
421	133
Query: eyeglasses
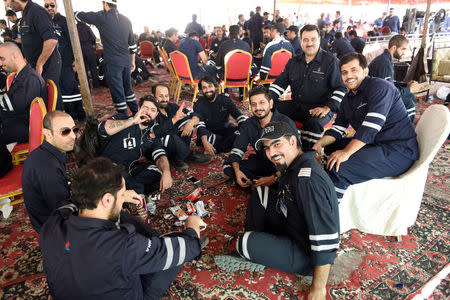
52	5
67	131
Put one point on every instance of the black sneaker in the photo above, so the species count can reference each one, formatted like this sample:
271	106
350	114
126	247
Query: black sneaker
180	165
234	262
198	158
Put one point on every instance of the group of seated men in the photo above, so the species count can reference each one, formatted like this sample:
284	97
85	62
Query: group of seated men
292	221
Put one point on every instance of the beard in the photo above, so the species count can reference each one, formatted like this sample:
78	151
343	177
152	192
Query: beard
281	167
114	215
260	117
210	96
148	122
397	55
164	104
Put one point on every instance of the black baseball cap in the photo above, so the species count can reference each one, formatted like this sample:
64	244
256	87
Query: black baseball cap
274	131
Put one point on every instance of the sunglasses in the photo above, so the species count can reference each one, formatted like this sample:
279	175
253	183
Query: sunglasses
67	131
52	5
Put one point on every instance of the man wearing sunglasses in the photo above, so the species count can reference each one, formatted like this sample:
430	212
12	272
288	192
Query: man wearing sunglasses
39	41
44	181
71	96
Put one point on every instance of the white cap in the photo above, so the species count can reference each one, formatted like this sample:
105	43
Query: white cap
110	1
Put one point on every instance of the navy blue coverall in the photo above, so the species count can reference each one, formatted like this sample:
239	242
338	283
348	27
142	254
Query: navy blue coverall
118	42
126	147
383	67
71	95
215	121
380	119
256	165
315	84
88	258
294	228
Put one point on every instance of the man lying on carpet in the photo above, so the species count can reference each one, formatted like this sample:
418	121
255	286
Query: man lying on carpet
130	142
385	142
44	181
214	130
296	228
99	255
174	126
257	170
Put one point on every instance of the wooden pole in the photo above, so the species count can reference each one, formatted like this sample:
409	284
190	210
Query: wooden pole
274	9
79	62
425	25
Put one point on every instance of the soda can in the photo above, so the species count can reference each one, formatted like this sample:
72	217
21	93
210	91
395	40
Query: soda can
142	211
190	208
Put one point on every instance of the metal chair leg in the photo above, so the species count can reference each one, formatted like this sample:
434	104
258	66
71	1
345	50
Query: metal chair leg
195	93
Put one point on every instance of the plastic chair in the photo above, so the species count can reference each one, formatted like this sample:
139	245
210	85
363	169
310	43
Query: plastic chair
147	50
183	71
237	71
11	186
37	114
211	38
9	80
388	206
173	80
202	42
52	95
279	60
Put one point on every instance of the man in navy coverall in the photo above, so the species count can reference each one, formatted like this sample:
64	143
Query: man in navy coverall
100	254
385	142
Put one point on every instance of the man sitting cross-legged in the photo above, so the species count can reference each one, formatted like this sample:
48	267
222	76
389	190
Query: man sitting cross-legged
294	229
174	125
214	130
129	142
257	170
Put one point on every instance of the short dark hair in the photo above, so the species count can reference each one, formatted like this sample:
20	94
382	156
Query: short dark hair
47	123
353	32
207	79
397	40
351	56
338	35
309	27
194	17
158	84
338	12
95	179
11	13
258	90
3	22
149	98
111	5
171	31
193	33
240	15
234	30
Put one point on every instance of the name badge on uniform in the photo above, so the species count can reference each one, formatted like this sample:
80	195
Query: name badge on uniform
283	209
129	142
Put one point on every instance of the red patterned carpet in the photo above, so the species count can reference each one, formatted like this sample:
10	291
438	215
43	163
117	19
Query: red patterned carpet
384	262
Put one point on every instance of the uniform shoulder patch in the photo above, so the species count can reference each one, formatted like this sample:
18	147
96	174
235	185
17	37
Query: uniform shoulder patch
304	172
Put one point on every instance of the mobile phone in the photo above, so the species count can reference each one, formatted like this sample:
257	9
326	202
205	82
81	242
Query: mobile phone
193	179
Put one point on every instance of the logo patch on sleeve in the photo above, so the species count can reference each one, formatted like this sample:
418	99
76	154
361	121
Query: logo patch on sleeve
304	172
